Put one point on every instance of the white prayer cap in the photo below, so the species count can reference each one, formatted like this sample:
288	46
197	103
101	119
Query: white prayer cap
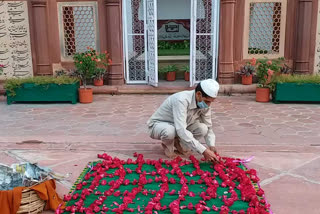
210	87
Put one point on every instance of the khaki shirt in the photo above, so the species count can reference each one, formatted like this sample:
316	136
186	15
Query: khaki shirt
181	110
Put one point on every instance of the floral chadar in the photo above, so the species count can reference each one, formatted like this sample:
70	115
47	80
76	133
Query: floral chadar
166	186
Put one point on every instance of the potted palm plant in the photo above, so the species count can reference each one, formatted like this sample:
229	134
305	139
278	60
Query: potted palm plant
170	72
98	76
186	69
285	70
246	72
87	64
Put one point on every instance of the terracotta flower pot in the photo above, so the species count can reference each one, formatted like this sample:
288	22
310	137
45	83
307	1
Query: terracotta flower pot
98	82
263	95
171	76
246	80
187	76
85	95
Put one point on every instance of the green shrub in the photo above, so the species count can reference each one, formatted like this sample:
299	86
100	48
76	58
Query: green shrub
165	45
300	79
12	84
168	68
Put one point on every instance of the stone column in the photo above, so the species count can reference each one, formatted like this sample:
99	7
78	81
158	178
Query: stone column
303	36
226	60
113	20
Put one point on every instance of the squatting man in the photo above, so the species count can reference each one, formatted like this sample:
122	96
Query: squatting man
183	119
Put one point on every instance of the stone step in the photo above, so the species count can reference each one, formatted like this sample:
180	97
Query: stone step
147	89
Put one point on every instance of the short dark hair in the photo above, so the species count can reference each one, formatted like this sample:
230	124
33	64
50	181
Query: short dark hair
198	88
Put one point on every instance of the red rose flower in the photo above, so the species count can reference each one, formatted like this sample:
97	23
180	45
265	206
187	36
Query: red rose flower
117	193
172	192
145	192
75	196
172	180
260	192
96	209
67	197
79	186
191	194
224	210
126	182
190	206
215	208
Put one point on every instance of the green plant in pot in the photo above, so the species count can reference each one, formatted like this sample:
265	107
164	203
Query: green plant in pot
170	72
186	69
60	73
86	64
75	74
285	70
265	70
98	76
246	72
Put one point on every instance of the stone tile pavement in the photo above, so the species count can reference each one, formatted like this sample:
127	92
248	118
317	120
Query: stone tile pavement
284	138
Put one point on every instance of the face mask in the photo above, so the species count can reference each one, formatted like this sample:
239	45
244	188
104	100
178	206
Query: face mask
202	105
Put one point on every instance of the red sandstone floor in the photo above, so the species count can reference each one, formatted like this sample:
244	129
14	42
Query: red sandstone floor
285	140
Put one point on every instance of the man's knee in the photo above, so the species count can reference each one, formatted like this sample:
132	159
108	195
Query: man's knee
202	130
162	131
168	133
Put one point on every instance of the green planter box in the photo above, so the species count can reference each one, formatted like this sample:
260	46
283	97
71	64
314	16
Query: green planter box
30	92
294	92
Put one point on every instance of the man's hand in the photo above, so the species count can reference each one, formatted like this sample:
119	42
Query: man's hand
210	156
213	148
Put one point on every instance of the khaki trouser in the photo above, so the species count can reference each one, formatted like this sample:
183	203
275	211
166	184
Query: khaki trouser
166	132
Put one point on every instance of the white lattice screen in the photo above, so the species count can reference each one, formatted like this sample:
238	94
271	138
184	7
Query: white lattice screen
78	27
264	28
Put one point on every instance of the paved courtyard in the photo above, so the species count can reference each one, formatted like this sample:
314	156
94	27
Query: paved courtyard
285	140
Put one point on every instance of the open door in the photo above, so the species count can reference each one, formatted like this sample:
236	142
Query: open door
204	40
140	41
152	42
134	41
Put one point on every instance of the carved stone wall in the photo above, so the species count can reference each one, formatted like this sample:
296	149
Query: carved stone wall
15	49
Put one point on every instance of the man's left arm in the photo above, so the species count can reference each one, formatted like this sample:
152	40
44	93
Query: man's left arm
210	137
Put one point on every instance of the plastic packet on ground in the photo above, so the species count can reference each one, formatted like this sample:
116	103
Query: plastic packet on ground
8	178
23	174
